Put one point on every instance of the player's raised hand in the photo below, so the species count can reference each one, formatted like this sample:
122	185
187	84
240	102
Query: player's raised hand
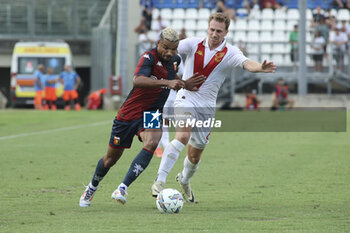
268	67
175	84
194	81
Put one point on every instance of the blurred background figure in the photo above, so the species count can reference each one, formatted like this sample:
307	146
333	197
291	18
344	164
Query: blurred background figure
39	87
293	41
70	80
50	89
220	7
251	4
159	25
338	4
345	27
317	16
328	15
141	27
145	43
242	46
317	46
147	8
280	96
272	4
252	102
324	30
339	40
95	99
182	34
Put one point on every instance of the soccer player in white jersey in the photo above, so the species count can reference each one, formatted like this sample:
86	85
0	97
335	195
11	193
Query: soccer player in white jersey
214	58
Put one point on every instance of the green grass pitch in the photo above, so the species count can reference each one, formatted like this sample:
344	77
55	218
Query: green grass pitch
247	182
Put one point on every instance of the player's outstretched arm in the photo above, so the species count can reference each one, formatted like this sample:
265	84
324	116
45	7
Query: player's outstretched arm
255	67
194	81
146	82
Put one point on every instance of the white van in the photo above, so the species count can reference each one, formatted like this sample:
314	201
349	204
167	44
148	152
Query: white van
25	59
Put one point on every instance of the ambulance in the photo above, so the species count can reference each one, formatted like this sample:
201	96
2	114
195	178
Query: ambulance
25	59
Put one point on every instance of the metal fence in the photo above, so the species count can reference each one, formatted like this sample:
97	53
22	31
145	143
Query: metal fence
66	19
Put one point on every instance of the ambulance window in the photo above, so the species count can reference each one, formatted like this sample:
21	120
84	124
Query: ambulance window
57	63
27	65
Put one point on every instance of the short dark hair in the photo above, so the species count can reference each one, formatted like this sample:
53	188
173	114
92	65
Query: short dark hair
220	17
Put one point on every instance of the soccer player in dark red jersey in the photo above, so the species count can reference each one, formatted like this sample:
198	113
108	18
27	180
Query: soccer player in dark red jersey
155	75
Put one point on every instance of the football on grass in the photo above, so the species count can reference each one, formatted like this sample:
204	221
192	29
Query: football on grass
169	201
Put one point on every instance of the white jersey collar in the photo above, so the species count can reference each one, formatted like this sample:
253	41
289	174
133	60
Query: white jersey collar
219	48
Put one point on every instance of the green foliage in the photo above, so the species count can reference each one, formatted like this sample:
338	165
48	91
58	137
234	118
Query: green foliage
247	182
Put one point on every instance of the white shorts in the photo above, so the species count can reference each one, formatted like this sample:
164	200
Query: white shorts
168	109
184	111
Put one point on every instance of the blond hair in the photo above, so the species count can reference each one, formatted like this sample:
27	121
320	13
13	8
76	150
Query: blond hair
221	18
169	34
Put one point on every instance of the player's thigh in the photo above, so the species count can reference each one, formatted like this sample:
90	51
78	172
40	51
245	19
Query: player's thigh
113	154
199	139
168	110
200	135
184	114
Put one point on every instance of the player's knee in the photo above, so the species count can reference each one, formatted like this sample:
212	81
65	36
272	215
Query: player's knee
112	157
151	144
183	138
194	159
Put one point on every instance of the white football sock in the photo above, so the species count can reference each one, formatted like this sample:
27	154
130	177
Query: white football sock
188	171
164	141
170	155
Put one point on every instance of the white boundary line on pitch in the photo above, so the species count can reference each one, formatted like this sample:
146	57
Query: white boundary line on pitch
55	130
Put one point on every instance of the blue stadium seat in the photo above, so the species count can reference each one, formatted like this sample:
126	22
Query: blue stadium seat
180	4
192	4
315	3
292	3
239	3
208	4
166	4
230	3
281	2
156	3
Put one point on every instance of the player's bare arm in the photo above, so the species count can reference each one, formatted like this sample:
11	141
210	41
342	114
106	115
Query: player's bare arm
255	67
146	82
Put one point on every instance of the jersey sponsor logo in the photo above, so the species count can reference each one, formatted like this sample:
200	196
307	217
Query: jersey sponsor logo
219	56
147	56
116	140
152	119
200	53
